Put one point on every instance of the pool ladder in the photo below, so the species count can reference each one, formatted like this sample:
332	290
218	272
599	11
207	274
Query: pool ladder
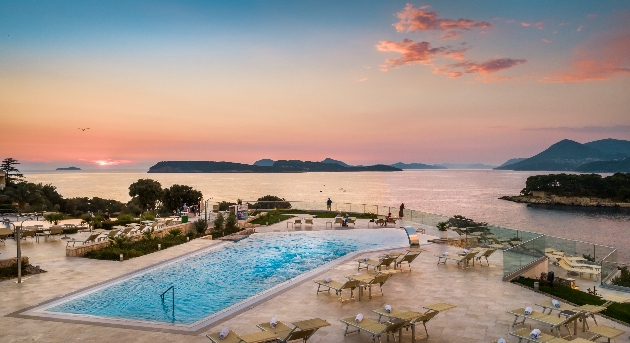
162	296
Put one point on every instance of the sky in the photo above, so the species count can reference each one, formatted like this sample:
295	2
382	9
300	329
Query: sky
364	82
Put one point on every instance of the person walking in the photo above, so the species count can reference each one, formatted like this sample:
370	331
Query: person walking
402	210
329	204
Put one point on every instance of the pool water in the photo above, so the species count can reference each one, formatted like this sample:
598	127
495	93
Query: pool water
210	281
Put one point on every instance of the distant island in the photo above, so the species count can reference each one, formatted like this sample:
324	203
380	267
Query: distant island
266	162
68	168
576	190
281	166
416	166
602	156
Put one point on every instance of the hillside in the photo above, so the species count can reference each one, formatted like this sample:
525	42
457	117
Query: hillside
330	160
512	161
282	166
622	166
568	155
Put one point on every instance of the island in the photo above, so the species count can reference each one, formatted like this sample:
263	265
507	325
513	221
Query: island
576	190
68	168
281	166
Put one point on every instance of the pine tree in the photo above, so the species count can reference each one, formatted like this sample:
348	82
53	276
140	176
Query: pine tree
13	174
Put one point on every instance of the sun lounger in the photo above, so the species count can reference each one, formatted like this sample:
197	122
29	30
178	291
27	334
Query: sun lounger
4	233
485	255
373	327
308	222
377	264
297	222
93	237
338	287
409	257
233	337
302	330
412	317
554	322
352	220
28	233
379	280
339	221
548	305
523	334
54	231
605	331
110	235
461	260
580	271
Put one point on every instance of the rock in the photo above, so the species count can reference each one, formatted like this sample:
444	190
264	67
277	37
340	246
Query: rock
571	201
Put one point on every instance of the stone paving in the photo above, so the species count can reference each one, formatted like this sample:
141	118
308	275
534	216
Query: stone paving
481	297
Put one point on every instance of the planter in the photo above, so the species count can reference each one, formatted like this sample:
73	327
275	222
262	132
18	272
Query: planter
443	234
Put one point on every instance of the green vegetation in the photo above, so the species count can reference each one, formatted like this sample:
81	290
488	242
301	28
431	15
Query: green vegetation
617	311
146	245
272	217
54	217
231	225
615	187
217	229
147	191
442	226
271	202
623	279
178	195
462	222
11	271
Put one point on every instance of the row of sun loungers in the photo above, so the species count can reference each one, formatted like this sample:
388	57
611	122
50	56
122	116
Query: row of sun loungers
465	258
274	331
128	231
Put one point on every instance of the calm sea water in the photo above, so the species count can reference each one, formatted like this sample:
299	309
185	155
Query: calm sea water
472	193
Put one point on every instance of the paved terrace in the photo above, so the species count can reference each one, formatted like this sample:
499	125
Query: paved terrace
481	297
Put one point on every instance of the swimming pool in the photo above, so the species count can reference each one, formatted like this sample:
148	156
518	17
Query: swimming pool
213	280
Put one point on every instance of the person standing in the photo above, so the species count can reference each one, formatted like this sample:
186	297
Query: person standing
329	204
402	210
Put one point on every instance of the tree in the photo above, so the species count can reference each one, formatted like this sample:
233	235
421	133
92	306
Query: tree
24	193
148	192
217	229
13	174
231	225
178	195
55	217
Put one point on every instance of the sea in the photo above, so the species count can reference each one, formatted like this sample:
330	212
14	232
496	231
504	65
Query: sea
471	193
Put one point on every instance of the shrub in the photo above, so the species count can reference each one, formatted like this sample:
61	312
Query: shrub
200	226
55	217
175	232
125	218
231	225
148	216
217	230
623	279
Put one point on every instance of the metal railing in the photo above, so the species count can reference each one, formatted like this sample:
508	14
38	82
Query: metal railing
173	303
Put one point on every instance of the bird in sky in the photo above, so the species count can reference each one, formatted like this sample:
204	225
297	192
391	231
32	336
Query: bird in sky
87	128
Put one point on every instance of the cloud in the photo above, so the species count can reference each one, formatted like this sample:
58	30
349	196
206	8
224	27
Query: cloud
546	40
423	53
540	25
584	129
412	52
599	58
109	162
489	66
362	80
419	20
580	28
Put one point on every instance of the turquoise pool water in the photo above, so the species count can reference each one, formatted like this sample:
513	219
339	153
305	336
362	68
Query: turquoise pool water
208	282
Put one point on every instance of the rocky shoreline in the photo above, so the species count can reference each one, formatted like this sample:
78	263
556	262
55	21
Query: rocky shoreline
558	200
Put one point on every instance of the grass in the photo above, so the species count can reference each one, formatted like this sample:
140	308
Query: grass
271	217
620	312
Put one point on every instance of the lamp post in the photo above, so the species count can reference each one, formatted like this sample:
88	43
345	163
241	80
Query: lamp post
19	248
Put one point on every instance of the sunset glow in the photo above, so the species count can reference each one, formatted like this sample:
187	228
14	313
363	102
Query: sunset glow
381	82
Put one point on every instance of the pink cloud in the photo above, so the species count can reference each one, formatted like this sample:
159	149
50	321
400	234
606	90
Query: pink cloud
580	28
417	19
540	25
362	80
546	40
489	66
412	52
600	58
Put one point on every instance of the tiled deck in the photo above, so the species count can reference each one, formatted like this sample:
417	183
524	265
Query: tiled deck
482	299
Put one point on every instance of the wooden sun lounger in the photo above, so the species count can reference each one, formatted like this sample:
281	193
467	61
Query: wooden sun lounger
377	264
373	327
461	260
412	317
338	287
233	337
548	305
302	330
605	331
580	271
523	334
4	233
90	239
485	255
554	322
408	257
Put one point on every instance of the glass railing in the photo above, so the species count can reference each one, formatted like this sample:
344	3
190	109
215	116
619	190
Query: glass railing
520	248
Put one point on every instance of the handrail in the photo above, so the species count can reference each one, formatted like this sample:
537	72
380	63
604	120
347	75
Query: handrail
162	296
